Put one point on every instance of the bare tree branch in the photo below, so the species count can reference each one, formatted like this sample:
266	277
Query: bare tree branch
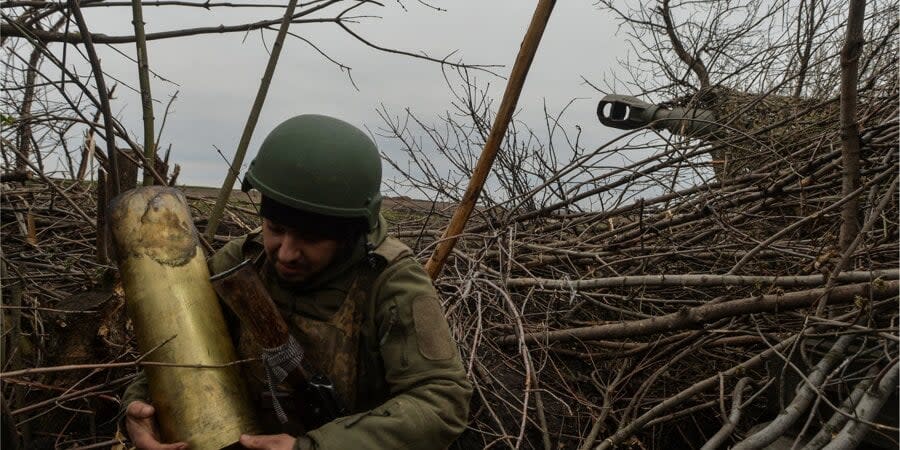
850	217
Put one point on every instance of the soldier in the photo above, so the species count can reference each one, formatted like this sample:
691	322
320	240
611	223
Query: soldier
364	310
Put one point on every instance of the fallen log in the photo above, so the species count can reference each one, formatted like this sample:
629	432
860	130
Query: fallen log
704	280
697	316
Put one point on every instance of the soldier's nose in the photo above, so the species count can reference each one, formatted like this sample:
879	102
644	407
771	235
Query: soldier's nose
290	250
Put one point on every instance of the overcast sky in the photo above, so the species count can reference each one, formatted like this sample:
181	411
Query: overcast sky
217	76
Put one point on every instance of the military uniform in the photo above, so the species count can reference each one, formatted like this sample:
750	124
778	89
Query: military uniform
373	323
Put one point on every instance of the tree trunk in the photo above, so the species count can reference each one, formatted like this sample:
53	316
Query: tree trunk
850	216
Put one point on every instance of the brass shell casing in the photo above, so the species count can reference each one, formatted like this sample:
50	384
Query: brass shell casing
173	307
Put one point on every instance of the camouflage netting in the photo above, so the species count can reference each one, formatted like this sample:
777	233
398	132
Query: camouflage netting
755	129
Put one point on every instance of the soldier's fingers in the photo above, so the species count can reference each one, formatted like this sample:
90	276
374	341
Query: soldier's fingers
145	439
141	433
139	410
268	442
140	426
249	441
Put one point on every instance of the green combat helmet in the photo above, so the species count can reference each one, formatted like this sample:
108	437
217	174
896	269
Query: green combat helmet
321	165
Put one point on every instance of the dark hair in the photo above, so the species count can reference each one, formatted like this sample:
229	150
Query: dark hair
312	225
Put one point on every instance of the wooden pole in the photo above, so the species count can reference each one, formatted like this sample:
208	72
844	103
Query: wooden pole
235	167
495	138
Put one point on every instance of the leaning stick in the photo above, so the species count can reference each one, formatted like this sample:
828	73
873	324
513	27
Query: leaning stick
235	167
110	138
495	138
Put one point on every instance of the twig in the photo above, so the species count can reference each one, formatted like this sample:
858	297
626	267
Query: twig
238	160
144	80
732	420
112	153
687	318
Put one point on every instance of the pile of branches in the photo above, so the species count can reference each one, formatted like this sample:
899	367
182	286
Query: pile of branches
620	295
691	315
639	296
653	321
666	317
666	303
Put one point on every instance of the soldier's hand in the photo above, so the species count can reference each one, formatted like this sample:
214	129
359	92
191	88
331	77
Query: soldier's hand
142	428
268	441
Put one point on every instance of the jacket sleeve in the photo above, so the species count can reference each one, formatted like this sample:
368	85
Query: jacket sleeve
429	403
137	390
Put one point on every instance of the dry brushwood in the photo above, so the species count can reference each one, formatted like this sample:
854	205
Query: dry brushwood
605	294
646	283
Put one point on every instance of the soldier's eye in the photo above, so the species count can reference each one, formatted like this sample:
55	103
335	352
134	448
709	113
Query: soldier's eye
276	229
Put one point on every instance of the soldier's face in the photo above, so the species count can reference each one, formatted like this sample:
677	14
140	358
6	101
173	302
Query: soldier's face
296	257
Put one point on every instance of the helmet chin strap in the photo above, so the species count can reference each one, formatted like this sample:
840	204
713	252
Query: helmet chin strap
370	253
